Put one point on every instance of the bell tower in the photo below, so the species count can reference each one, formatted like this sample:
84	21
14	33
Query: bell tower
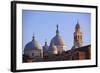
78	38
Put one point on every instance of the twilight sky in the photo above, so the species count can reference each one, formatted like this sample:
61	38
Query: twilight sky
43	25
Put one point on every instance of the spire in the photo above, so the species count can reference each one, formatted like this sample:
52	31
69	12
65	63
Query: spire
77	25
57	31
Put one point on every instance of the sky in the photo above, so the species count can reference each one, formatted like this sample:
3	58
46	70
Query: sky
43	25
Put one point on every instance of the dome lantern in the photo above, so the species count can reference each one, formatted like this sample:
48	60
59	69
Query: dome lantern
58	41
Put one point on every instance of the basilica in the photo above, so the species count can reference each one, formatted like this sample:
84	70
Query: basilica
57	50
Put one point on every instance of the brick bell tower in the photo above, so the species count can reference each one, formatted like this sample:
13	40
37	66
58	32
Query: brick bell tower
78	38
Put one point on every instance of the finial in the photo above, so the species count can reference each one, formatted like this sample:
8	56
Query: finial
33	36
57	31
45	42
57	26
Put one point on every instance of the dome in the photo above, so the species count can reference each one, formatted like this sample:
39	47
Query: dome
33	45
57	40
53	49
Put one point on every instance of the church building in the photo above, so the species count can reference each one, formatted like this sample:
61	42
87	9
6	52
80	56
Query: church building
57	50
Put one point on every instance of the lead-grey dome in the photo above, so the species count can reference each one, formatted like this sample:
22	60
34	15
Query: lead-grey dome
53	47
33	45
57	40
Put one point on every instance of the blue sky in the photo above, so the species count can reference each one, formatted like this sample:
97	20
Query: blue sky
43	25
